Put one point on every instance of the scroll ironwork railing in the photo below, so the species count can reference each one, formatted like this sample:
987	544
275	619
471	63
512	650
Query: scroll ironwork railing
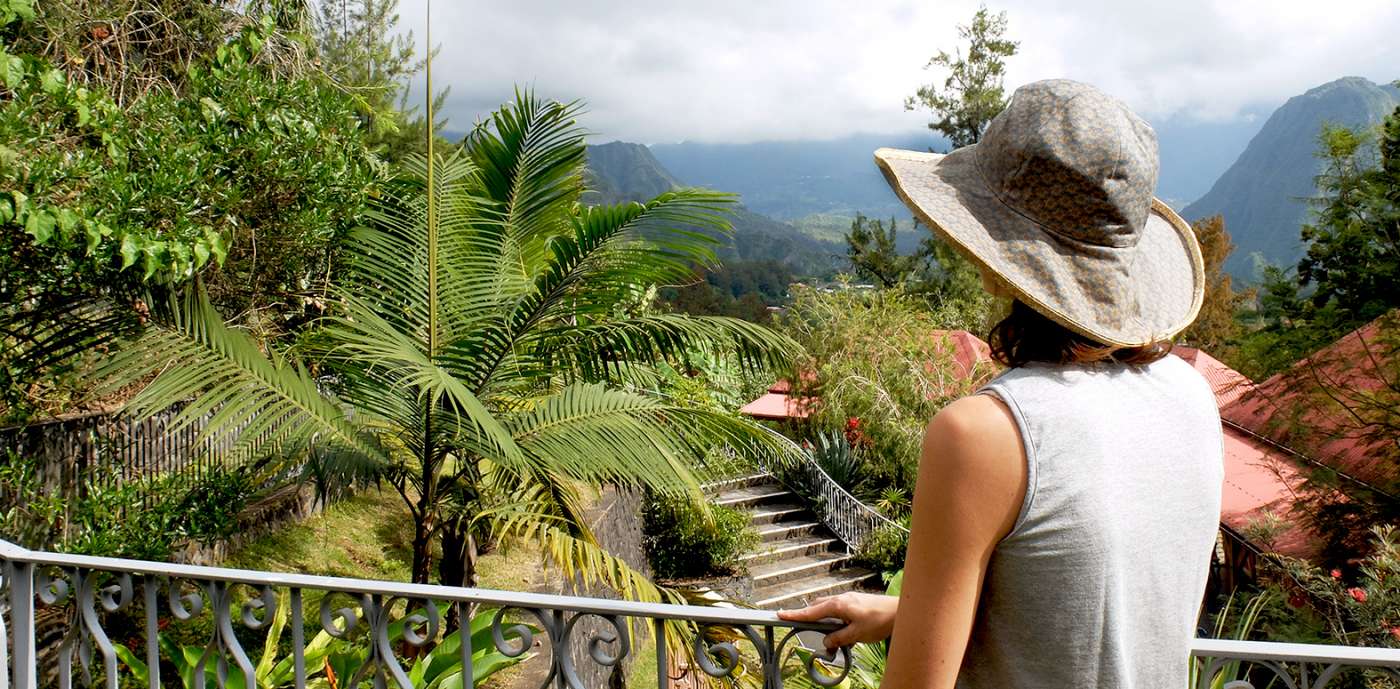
114	620
110	615
852	520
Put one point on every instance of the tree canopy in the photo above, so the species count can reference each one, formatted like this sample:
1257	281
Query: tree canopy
972	93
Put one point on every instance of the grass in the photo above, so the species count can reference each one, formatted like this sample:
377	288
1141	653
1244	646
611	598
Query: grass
368	536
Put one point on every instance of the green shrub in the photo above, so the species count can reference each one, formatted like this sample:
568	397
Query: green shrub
884	550
141	519
881	372
841	460
209	511
244	177
681	543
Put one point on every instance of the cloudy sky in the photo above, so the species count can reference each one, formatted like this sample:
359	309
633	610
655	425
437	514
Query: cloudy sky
749	70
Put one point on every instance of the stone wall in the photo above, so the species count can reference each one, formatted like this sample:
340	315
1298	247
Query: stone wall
616	522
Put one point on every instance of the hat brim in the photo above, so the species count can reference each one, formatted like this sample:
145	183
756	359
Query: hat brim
1119	296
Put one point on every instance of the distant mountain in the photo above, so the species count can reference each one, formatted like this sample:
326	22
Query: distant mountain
794	179
1263	194
621	171
626	172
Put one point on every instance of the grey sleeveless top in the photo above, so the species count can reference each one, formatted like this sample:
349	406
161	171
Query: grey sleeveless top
1100	580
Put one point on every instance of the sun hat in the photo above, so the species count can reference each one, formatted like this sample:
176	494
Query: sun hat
1056	201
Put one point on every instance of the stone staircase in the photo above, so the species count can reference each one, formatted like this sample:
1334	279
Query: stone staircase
797	559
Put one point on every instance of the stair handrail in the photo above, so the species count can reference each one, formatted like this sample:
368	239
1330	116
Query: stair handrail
852	520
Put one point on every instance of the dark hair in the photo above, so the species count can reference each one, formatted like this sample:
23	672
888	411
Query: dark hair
1026	336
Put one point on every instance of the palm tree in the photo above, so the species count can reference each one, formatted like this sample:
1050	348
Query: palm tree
476	355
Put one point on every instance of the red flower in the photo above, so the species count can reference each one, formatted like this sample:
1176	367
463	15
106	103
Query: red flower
852	423
1336	574
1357	593
1296	601
1394	633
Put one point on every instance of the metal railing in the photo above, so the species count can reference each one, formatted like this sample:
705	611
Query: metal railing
852	520
1249	664
114	619
106	604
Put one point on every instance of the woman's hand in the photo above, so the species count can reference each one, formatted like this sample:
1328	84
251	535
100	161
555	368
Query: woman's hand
869	617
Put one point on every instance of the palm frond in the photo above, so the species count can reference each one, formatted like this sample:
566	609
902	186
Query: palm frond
368	347
47	336
245	397
611	250
600	351
389	259
593	433
530	154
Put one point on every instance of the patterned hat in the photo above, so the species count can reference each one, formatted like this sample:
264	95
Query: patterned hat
1056	200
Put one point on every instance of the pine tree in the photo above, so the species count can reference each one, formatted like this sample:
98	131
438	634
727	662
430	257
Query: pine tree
361	49
972	94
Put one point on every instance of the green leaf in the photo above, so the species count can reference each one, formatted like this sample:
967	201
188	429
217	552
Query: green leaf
11	69
154	253
95	233
211	109
66	220
201	253
40	226
216	245
21	205
84	114
131	248
52	82
24	9
7	211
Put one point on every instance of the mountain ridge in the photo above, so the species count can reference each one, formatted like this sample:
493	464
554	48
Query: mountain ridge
620	171
1263	194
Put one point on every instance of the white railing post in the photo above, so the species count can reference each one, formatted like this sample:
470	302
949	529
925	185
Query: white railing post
20	577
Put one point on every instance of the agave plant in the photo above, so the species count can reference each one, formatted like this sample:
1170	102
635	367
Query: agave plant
473	354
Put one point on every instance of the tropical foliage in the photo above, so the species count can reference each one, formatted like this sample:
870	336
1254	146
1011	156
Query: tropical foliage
684	540
332	662
882	370
144	519
237	167
475	356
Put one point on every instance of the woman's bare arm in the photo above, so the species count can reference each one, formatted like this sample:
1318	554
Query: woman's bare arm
972	480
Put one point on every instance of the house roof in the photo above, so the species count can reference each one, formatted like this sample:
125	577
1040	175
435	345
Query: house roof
1308	408
1259	482
1258	479
776	406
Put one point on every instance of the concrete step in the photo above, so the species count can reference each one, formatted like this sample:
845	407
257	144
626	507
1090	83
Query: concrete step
771	514
753	496
796	593
784	531
716	487
769	553
794	568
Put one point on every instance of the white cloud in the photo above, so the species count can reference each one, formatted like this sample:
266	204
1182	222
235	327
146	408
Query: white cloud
745	70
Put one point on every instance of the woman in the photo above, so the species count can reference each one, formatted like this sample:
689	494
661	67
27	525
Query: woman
1064	518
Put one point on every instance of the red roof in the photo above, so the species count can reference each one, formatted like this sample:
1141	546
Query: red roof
971	355
1258	482
1309	407
777	406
